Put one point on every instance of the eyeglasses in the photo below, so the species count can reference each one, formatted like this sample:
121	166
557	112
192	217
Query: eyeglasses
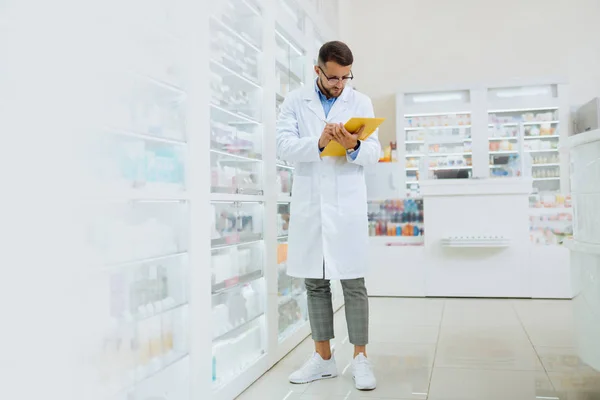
334	80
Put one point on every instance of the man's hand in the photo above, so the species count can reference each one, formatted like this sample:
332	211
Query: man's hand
345	138
327	135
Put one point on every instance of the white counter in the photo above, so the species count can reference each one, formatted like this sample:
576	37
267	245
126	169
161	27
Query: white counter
498	261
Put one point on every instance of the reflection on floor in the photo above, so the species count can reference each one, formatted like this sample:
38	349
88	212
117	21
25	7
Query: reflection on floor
452	349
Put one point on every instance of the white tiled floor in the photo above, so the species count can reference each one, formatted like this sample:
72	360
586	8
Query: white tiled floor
454	349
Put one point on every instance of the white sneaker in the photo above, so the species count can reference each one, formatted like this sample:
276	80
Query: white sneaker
314	369
362	370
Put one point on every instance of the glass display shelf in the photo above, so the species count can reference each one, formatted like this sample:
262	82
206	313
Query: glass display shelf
236	265
236	223
141	104
235	174
243	141
292	302
135	352
238	330
532	133
124	163
234	353
551	218
290	63
444	140
124	234
236	307
400	218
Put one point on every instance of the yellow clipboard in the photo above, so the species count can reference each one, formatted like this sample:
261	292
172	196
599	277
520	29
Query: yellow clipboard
334	149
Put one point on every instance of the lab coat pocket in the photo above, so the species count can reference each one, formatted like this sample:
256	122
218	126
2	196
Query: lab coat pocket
352	194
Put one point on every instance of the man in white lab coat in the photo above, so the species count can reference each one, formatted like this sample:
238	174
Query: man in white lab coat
328	232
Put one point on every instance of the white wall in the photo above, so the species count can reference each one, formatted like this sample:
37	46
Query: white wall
424	43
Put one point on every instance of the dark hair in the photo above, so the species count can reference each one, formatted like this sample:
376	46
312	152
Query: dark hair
337	52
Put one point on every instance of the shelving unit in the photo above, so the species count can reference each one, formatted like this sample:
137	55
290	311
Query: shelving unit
259	313
436	135
187	227
442	133
239	293
138	225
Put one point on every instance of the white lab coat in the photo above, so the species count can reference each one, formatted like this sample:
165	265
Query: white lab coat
328	231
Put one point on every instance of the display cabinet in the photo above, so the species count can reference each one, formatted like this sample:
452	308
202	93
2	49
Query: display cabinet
435	136
525	132
239	292
291	66
138	223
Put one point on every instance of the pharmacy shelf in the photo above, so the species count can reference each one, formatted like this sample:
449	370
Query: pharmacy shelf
148	193
282	237
235	157
504	152
497	139
545	165
236	281
223	113
555	178
542	137
542	151
414	142
528	123
235	331
228	195
148	260
540	122
412	168
449	154
509	124
420	128
159	83
226	71
235	34
415	155
285	166
236	240
550	211
145	136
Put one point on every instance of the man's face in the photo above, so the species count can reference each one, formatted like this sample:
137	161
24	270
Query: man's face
333	87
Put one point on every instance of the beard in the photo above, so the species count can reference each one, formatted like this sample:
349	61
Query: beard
333	92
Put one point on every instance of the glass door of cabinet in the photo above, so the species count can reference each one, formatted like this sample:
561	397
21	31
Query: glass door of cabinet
444	140
522	139
236	97
524	134
290	67
237	200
